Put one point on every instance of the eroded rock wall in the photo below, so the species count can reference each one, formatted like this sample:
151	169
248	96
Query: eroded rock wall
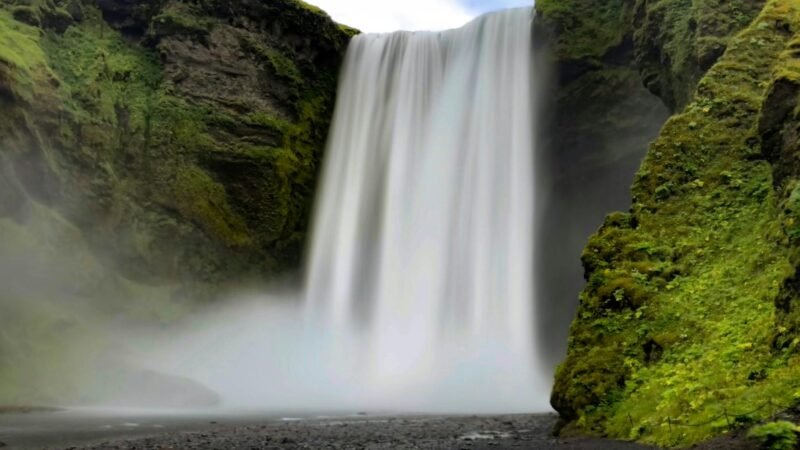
182	138
151	154
688	317
596	131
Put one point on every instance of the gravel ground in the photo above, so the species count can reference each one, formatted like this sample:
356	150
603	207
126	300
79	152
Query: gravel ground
422	432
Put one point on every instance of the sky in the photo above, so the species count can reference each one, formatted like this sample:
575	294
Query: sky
375	16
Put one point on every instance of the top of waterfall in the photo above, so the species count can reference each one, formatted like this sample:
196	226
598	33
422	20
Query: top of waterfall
380	16
470	28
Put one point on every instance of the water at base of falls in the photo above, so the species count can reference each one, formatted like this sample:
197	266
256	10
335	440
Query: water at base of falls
419	292
423	240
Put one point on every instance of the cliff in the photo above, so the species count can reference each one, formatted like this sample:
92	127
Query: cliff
151	153
181	138
596	131
687	326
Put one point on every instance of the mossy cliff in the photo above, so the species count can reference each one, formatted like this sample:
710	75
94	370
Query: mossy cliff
181	137
602	119
151	153
673	42
688	326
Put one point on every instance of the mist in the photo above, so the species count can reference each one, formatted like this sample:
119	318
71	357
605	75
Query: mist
261	353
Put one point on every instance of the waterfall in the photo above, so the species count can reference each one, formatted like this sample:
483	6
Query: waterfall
422	249
419	288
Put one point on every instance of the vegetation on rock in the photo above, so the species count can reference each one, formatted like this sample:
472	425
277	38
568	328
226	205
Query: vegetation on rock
602	118
686	327
177	141
212	111
775	436
674	41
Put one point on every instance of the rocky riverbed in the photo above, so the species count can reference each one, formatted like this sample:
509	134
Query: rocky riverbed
354	432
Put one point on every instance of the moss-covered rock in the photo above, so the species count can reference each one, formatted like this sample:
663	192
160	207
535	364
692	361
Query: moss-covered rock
774	436
151	153
687	326
674	41
129	123
677	41
602	119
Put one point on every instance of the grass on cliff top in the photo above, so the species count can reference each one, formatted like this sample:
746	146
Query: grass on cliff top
310	7
673	340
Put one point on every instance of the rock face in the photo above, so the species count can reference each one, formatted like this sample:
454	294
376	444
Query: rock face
181	138
621	67
602	120
676	42
688	324
151	152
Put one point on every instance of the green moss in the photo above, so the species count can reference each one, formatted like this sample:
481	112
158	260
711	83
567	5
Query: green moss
104	79
309	7
21	58
284	67
181	19
281	65
183	127
349	31
201	199
586	28
775	436
674	42
673	339
315	110
115	91
678	40
264	119
40	13
117	94
117	122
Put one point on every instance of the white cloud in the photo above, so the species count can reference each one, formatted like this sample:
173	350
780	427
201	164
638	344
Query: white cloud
374	16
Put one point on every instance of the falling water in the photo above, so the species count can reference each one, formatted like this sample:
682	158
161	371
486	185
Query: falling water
419	288
422	249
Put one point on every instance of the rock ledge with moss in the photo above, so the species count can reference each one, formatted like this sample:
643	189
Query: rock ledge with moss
688	325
